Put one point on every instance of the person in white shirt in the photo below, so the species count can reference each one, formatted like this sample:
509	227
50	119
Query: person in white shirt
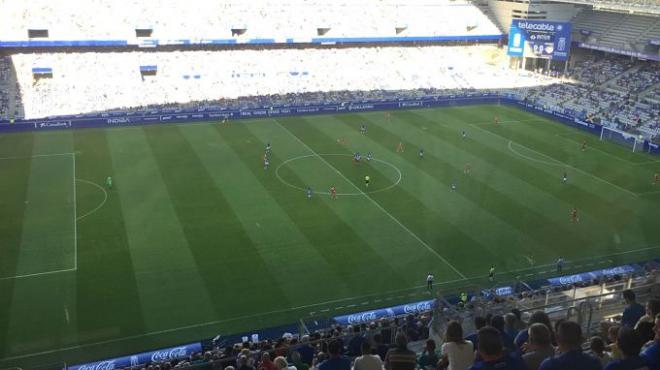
367	361
457	353
429	281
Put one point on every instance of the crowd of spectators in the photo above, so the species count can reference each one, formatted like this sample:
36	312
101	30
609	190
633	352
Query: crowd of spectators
499	342
5	70
610	91
607	91
240	20
598	71
499	337
96	82
647	76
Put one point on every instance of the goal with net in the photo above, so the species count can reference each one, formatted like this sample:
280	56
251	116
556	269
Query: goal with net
629	140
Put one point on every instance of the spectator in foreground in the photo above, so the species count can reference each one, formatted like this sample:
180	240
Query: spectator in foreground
367	361
612	336
400	357
569	341
520	324
457	353
511	325
306	350
646	333
355	344
281	364
296	358
652	353
336	361
318	360
429	357
537	317
381	348
630	345
539	346
498	323
597	346
243	363
479	322
633	310
652	310
266	363
492	353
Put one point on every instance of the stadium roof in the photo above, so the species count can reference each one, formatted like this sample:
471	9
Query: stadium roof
644	7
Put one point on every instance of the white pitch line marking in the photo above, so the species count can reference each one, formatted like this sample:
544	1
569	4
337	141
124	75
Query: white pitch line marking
530	158
558	162
105	198
649	192
36	156
577	169
591	147
375	203
277	174
75	214
38	274
645	163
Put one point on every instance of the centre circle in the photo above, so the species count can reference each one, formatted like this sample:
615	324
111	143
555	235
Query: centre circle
394	182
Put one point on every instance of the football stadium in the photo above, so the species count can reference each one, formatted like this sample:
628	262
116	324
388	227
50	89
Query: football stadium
329	185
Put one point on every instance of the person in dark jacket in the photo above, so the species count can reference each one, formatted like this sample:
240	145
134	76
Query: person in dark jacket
569	341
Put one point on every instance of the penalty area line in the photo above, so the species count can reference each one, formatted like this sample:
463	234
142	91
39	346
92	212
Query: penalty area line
559	162
591	147
36	156
39	274
422	242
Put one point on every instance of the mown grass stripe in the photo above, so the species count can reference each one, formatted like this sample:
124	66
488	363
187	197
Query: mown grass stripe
288	254
12	207
606	212
442	236
218	242
158	248
103	253
320	223
514	223
362	192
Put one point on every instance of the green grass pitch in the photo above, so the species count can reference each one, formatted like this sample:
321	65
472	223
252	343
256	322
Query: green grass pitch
196	238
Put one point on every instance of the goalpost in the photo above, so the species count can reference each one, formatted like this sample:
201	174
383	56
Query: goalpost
622	137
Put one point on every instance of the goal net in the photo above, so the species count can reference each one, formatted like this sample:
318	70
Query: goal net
621	137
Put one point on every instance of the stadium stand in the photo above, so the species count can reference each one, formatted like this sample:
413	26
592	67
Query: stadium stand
614	91
596	306
617	30
643	78
611	90
236	20
106	81
4	90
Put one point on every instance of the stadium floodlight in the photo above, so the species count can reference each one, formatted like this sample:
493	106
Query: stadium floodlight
624	138
642	7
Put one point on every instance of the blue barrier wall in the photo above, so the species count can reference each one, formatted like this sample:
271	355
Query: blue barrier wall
160	355
193	115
